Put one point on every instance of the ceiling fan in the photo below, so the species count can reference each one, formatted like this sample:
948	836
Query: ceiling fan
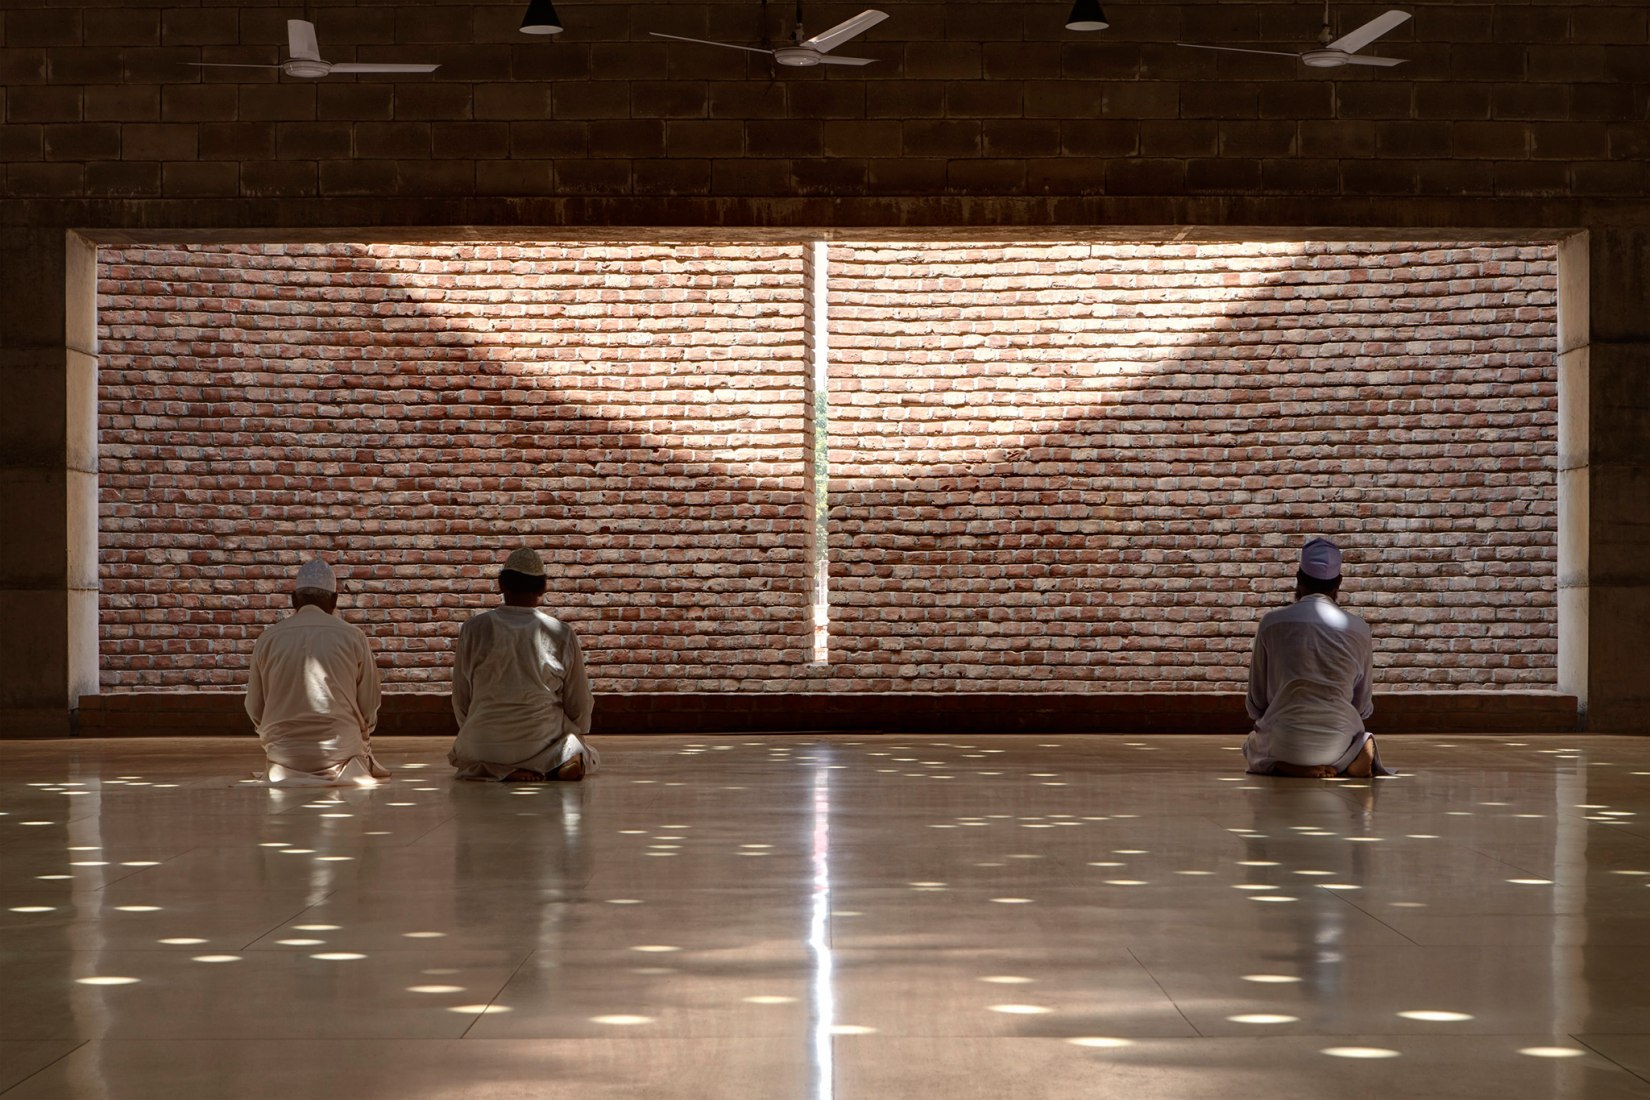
807	52
1333	52
306	58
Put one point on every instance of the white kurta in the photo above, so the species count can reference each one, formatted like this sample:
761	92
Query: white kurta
313	698
520	695
1309	686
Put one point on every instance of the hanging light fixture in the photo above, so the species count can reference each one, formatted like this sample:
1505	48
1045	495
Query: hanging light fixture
541	18
1087	16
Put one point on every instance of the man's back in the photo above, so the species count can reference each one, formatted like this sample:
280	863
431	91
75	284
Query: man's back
312	675
520	693
1309	676
518	680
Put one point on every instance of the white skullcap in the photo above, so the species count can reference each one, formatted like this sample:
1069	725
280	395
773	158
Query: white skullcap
525	561
316	574
1321	559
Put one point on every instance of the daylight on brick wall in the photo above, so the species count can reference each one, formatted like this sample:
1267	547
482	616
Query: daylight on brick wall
1043	461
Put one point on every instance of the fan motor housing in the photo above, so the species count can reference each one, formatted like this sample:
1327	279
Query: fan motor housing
303	67
1324	59
797	56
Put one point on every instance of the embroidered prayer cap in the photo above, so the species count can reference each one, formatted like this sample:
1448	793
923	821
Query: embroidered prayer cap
316	574
1321	559
525	561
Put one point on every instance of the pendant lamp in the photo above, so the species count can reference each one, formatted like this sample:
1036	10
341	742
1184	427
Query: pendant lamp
1087	16
541	18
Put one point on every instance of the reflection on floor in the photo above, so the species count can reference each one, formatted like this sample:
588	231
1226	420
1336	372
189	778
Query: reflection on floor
854	916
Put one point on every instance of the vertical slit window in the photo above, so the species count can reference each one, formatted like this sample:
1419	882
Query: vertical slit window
816	347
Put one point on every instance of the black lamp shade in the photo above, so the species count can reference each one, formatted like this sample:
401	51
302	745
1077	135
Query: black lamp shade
1087	16
541	18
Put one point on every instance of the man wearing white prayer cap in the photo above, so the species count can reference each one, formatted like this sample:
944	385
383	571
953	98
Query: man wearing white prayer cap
520	692
1309	680
313	691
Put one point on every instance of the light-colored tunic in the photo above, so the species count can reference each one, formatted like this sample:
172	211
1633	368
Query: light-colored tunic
313	698
1309	686
520	695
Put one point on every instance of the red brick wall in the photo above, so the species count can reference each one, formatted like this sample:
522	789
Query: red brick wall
1071	467
413	412
1094	465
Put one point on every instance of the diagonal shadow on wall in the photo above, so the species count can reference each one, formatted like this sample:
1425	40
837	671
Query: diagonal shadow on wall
1123	535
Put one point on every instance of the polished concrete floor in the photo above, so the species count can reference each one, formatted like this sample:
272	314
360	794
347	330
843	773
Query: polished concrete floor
809	917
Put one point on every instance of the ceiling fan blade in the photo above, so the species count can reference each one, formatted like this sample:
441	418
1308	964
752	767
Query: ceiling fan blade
227	65
1357	60
833	59
708	42
301	42
1236	49
837	35
377	67
1369	32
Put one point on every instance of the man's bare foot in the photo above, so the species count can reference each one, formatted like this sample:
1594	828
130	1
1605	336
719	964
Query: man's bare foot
522	775
1363	765
1304	771
572	771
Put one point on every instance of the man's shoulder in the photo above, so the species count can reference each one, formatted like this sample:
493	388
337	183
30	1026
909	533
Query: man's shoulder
561	628
1277	615
303	631
285	624
516	618
351	627
334	622
1317	613
485	624
480	619
1309	611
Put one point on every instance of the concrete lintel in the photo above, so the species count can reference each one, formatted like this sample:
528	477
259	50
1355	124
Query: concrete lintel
714	229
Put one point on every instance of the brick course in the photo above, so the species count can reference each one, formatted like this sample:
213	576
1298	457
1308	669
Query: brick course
1078	467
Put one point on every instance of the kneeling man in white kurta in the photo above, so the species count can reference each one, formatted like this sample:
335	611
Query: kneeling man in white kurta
313	692
1309	681
520	693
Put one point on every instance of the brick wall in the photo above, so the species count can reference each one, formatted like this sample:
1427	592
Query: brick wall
1095	464
1079	466
414	412
989	99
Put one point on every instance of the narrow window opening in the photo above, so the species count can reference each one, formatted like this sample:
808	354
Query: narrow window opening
816	439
